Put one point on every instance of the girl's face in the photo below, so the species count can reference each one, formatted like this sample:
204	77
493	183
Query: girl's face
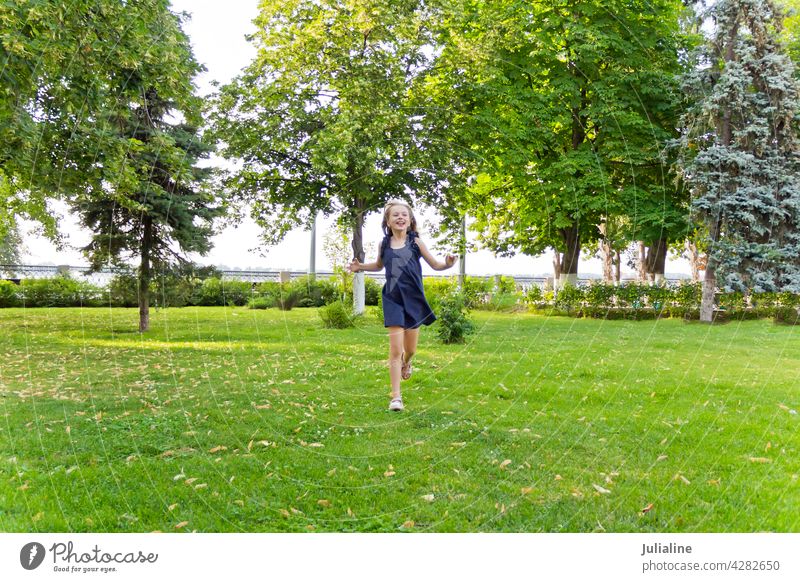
399	218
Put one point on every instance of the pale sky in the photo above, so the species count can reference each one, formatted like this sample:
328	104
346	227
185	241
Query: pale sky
217	30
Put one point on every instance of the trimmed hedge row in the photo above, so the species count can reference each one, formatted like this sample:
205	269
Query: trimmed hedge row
169	291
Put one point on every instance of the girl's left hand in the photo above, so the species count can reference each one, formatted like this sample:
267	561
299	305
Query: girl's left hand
450	260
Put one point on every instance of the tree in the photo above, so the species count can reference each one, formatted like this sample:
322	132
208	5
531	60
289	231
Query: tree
321	121
742	153
567	106
61	65
154	202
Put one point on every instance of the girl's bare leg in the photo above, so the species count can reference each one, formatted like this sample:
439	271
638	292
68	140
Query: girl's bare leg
410	338
395	358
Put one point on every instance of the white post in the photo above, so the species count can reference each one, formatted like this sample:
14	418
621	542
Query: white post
358	293
312	261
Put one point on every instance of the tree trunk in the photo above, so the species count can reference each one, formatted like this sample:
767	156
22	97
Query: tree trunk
618	267
709	287
358	253
656	261
462	259
556	268
569	263
606	255
642	262
144	274
694	260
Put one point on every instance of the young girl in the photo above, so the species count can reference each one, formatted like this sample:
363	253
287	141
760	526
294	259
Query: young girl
404	306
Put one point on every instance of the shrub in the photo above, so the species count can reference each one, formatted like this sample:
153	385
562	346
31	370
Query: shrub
59	292
261	302
732	300
786	316
476	290
632	294
569	298
124	290
337	315
660	296
506	285
533	295
501	302
688	295
215	291
453	323
766	300
9	294
372	291
600	295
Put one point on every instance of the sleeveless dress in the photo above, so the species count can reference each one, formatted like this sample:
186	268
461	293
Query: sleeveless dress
404	301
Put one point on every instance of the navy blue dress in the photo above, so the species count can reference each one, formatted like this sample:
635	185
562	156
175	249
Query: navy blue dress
404	303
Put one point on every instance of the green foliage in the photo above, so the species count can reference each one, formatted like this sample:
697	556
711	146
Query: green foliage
9	294
321	120
124	290
453	323
436	288
570	298
501	302
263	302
739	150
533	295
688	295
600	295
59	292
786	315
337	315
506	285
215	291
372	291
546	90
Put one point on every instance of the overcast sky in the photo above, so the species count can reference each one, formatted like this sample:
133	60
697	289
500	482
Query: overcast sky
217	31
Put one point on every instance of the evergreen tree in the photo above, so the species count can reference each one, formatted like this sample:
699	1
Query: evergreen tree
741	152
163	207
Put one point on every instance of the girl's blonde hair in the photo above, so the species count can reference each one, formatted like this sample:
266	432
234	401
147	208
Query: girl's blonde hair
412	226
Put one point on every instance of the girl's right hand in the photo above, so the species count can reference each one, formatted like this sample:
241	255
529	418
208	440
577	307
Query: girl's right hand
354	266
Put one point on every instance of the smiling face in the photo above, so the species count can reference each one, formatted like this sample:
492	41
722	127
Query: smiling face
398	217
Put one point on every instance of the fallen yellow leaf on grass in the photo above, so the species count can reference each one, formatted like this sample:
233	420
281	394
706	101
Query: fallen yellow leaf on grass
599	489
388	473
218	449
324	503
505	463
181	524
429	497
408	524
648	508
526	490
759	460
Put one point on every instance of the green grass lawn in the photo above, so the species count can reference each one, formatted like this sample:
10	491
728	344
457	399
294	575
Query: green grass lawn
224	419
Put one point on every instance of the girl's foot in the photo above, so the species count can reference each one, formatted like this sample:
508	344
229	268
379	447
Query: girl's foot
396	404
405	369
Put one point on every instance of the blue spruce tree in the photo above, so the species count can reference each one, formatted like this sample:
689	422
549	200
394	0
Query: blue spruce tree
740	152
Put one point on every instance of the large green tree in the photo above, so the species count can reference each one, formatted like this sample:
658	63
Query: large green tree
323	120
62	65
154	202
742	152
567	106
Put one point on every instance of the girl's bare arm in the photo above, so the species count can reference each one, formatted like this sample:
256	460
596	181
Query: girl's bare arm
355	266
435	264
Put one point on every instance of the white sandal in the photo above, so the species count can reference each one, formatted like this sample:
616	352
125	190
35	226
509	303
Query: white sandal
396	404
